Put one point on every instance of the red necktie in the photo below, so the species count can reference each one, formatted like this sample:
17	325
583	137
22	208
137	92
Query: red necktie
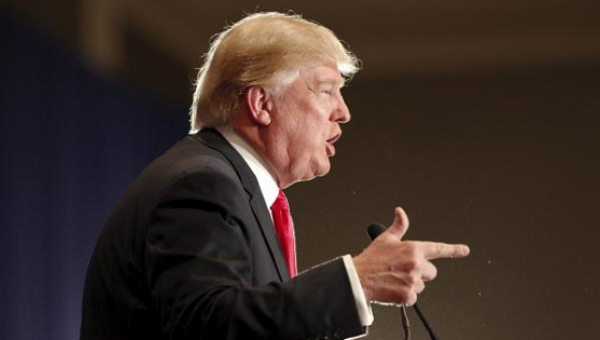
285	231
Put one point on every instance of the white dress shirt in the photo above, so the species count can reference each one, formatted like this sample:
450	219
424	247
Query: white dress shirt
270	190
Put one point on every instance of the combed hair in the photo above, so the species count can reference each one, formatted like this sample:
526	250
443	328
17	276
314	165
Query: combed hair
267	49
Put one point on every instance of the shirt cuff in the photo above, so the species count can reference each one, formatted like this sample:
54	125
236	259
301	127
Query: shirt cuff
365	312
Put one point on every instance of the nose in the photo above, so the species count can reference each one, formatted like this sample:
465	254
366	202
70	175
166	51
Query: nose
342	113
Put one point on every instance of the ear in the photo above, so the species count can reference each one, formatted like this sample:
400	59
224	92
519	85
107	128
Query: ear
258	102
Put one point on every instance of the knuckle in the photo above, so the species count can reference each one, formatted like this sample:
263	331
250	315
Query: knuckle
410	280
429	271
411	265
404	295
411	299
410	247
441	249
434	272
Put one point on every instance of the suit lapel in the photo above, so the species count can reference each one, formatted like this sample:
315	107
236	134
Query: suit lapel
216	141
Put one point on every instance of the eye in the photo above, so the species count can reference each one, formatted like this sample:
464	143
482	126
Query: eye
328	90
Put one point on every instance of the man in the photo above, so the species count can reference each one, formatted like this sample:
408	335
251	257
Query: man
192	251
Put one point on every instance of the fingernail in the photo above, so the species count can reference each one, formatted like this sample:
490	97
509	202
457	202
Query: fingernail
465	250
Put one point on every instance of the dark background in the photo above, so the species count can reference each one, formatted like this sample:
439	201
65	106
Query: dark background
479	118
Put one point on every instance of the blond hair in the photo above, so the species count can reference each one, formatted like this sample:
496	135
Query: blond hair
265	49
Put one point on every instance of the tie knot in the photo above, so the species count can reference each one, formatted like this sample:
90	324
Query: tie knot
281	202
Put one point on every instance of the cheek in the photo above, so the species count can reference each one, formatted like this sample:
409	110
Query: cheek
309	125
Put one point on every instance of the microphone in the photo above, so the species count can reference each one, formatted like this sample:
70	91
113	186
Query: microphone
374	230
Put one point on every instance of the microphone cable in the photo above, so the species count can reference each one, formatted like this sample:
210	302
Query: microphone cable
374	230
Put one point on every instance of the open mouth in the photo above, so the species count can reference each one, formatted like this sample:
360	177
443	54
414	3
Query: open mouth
330	147
334	138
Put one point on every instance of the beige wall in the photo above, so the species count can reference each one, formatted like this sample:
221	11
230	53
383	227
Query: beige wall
508	164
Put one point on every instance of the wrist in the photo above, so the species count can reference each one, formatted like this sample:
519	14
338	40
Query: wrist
361	270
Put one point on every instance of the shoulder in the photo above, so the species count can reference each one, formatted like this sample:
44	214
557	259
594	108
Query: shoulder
189	157
188	170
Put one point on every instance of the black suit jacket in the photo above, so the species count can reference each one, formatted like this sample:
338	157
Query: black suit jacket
191	253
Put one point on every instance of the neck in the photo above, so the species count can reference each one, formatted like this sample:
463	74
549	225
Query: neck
258	139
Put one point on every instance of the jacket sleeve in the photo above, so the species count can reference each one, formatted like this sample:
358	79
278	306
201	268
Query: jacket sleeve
198	268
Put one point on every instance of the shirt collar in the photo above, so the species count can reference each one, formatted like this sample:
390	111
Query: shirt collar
266	181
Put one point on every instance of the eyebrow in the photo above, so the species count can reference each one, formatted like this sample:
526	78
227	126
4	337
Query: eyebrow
331	81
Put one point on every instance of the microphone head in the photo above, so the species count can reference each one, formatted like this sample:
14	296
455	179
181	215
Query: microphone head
375	229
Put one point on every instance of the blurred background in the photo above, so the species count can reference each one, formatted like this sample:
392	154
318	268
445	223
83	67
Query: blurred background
480	118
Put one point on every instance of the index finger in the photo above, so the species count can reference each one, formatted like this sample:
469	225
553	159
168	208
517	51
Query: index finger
436	250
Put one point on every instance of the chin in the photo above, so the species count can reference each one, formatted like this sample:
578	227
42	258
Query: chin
324	169
318	170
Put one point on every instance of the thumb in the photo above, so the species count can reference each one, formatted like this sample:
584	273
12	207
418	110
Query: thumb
400	225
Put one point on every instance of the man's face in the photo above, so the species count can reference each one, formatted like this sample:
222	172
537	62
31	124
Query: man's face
306	120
